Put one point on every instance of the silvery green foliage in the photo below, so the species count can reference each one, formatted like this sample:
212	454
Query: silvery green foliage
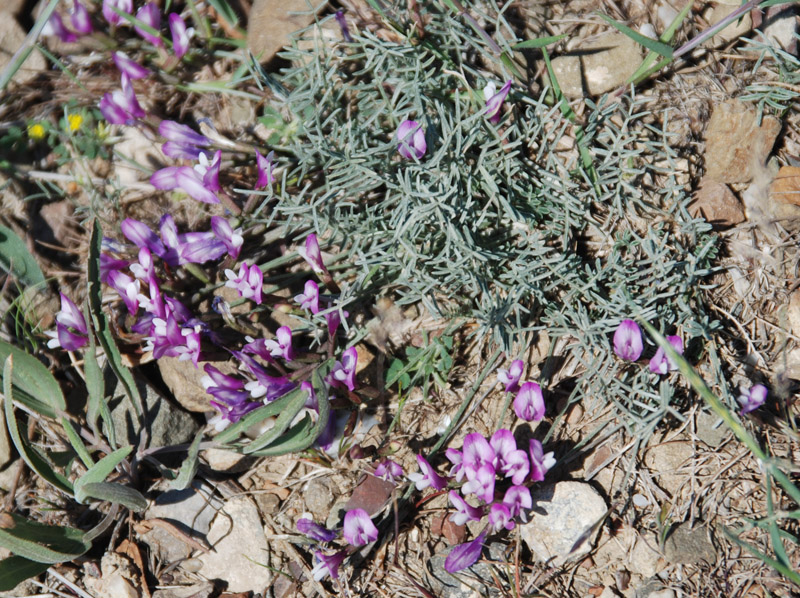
785	68
496	223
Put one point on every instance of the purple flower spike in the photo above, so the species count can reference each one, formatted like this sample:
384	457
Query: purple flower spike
512	375
358	528
281	345
313	530
344	371
464	511
309	299
388	470
55	26
328	565
465	555
150	16
71	330
751	399
411	140
81	20
516	499
481	483
428	477
133	69
180	34
541	462
264	167
343	26
500	517
248	282
232	239
494	101
661	364
182	134
312	255
628	341
529	402
510	461
112	17
184	178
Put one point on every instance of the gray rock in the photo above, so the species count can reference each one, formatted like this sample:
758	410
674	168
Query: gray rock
689	546
183	381
167	424
599	67
665	462
779	27
190	511
318	498
11	38
198	590
732	32
563	521
227	461
271	23
711	429
239	545
467	583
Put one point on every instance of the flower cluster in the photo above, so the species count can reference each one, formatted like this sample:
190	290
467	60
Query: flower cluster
493	472
358	530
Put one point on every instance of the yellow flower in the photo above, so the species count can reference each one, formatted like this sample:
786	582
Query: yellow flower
36	131
75	121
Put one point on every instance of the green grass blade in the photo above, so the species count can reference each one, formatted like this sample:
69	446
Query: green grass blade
225	11
15	259
42	543
651	44
32	383
645	69
76	442
539	42
100	470
189	466
95	386
16	569
116	493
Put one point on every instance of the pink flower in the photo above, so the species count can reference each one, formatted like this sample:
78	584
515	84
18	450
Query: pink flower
660	363
464	511
476	452
344	371
232	239
133	69
411	140
80	18
71	330
121	106
752	398
481	484
510	461
465	555
186	179
313	530
112	17
55	26
388	470
210	171
358	528
500	517
312	255
512	375
281	345
516	499
529	402
248	282
180	34
494	101
428	477
309	299
327	565
264	168
541	462
628	341
150	16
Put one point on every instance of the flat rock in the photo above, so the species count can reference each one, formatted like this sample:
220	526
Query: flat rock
11	38
737	146
272	22
318	497
644	558
140	150
238	547
463	584
779	27
226	461
735	30
119	579
598	67
710	428
689	546
183	381
717	204
665	461
561	520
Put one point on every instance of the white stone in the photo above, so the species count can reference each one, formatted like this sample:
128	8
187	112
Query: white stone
563	514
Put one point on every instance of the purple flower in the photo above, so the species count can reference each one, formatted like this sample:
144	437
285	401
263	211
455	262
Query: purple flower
258	347
121	106
750	399
541	462
80	18
229	414
494	101
112	17
144	269
512	375
71	330
516	499
127	287
313	530
180	35
281	346
465	555
660	363
343	26
411	140
628	341
344	371
456	457
170	339
510	461
327	565
185	178
150	16
129	67
248	282
232	239
334	319
264	385
141	235
529	402
55	26
264	168
358	528
464	511
500	517
428	477
309	299
200	247
210	170
312	255
388	470
182	134
481	483
476	452
214	379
